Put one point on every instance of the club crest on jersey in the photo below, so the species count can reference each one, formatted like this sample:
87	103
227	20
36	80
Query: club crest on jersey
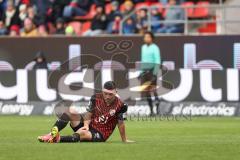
112	112
102	119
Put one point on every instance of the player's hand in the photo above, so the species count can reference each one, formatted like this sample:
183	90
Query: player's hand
128	141
85	128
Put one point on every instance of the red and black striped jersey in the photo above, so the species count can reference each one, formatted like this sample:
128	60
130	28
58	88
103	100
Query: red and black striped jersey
105	118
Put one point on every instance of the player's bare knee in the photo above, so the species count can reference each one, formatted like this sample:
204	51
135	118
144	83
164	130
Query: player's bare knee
81	132
72	110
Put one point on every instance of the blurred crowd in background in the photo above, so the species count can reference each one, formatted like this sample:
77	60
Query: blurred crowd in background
29	18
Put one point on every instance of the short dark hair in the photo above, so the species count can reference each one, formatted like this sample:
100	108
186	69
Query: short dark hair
110	85
150	33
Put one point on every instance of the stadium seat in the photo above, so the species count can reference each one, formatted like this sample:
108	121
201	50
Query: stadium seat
27	2
142	5
85	26
202	10
187	6
108	8
208	28
89	16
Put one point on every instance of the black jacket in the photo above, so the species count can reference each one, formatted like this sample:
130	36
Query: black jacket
15	20
41	65
99	22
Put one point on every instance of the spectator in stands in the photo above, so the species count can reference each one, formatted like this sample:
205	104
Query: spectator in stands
22	12
141	21
128	7
29	29
10	16
56	10
41	12
42	31
31	12
14	31
60	26
98	24
113	18
40	61
69	31
36	18
156	17
114	27
115	11
2	7
42	6
129	27
3	29
77	8
173	14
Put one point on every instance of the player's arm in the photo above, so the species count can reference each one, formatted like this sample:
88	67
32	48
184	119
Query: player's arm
122	131
121	124
87	120
88	115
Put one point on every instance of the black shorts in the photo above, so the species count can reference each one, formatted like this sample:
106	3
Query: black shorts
96	136
147	76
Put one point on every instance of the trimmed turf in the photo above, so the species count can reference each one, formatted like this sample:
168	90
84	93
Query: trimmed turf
198	139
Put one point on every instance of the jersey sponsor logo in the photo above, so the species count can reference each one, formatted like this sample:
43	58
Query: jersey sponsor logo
97	135
112	112
102	119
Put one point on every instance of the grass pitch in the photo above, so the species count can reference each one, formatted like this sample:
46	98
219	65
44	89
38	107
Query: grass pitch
201	138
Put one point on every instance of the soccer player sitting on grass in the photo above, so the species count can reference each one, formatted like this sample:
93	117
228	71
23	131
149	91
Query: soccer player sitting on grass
104	112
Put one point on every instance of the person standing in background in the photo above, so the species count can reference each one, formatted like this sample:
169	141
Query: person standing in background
11	15
150	64
98	24
40	61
